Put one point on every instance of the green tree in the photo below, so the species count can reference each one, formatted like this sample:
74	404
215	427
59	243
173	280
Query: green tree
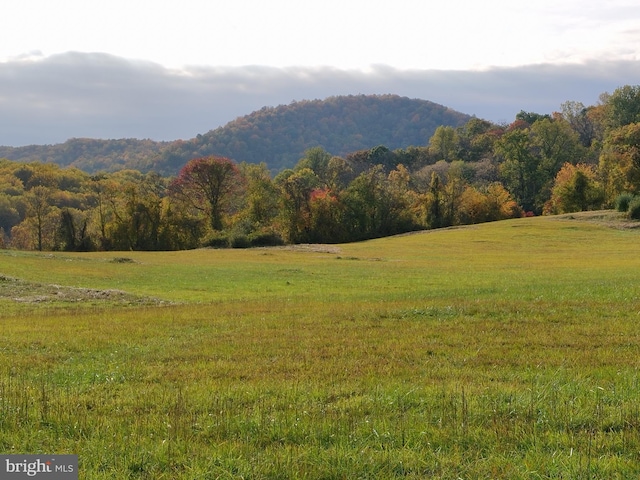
404	201
180	228
260	195
623	106
38	215
444	143
72	231
612	176
476	140
135	212
453	189
367	205
555	144
531	117
9	215
381	155
316	159
296	188
339	174
435	208
414	158
104	190
620	158
519	168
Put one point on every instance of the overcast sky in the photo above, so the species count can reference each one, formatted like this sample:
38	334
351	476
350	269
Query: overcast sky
168	69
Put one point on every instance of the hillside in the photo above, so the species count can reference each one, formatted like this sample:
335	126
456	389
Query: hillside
92	155
277	136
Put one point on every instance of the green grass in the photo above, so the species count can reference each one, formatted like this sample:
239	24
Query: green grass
504	350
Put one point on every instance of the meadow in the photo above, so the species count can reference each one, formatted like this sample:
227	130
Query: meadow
502	350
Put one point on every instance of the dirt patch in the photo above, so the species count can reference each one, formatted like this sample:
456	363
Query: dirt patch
21	291
309	247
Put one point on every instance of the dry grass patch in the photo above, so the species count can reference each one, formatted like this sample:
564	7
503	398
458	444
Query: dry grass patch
20	291
605	218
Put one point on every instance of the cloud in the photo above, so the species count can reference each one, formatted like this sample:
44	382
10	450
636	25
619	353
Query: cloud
51	99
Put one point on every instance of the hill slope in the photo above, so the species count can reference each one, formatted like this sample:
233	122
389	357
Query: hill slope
277	136
470	352
92	155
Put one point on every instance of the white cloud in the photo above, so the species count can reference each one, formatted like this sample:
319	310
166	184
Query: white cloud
51	99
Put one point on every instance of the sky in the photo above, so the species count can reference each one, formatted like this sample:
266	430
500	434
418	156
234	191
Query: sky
168	69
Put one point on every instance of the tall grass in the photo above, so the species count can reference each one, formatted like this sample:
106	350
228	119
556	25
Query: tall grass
507	350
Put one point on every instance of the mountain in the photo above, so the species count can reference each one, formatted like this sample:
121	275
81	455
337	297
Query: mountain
277	136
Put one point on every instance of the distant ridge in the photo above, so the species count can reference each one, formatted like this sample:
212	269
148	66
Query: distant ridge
280	135
277	136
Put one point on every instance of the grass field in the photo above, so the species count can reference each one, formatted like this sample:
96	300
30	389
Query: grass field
503	350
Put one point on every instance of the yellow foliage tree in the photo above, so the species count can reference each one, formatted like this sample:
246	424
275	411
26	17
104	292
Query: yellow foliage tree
575	189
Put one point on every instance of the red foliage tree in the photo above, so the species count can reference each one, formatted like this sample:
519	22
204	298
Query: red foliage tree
208	184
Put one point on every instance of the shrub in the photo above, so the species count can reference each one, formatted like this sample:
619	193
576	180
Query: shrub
240	241
634	209
266	239
216	240
122	260
623	201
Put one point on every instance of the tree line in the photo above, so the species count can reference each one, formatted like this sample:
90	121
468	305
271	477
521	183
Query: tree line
580	158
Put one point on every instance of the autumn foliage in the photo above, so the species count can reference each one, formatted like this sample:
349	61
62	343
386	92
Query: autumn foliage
581	158
208	185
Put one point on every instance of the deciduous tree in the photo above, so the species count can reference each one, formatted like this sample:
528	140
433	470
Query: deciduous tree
209	184
623	106
520	167
296	188
38	209
260	204
444	143
621	159
435	217
575	189
577	115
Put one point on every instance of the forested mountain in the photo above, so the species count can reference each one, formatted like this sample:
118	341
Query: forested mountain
278	136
